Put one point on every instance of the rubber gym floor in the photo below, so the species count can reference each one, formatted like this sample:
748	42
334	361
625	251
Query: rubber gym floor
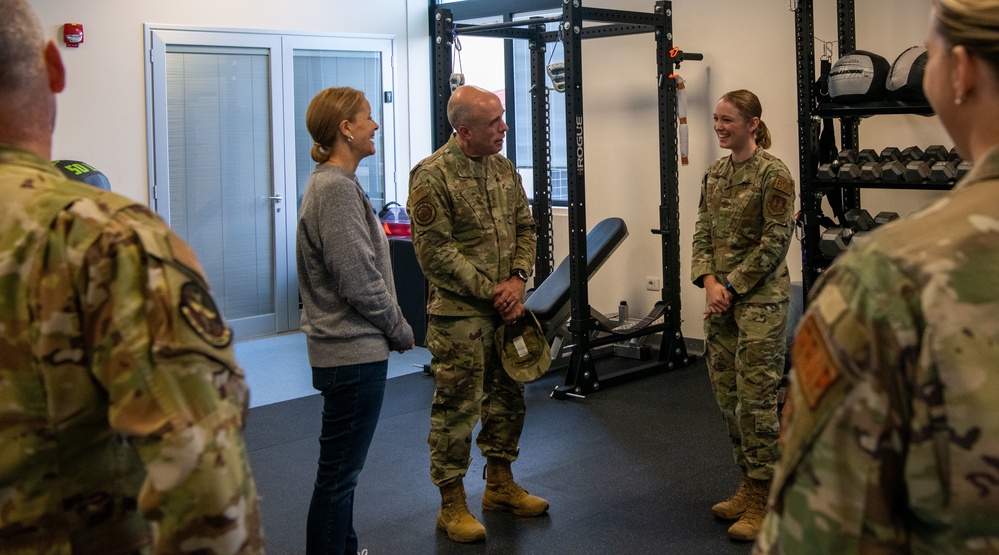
632	469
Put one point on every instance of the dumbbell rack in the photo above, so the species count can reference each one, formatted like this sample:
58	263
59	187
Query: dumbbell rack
810	113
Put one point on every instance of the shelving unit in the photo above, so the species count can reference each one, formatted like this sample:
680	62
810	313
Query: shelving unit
831	110
810	112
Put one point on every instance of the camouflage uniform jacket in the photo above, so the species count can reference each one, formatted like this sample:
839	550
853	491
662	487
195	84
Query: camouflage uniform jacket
121	404
892	443
744	225
472	226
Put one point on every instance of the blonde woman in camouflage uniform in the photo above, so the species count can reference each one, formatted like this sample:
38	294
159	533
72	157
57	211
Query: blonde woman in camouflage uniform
121	404
741	238
892	442
475	239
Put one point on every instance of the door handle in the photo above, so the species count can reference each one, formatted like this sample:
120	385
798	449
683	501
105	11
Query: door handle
277	198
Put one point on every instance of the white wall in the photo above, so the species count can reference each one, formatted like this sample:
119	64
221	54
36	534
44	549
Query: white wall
102	113
746	44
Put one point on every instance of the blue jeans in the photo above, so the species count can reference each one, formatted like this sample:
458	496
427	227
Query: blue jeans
352	401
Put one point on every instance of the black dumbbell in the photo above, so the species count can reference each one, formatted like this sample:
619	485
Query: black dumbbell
962	169
943	171
910	154
884	217
890	153
935	153
917	171
893	170
834	241
828	171
848	171
953	154
858	219
867	155
847	155
870	171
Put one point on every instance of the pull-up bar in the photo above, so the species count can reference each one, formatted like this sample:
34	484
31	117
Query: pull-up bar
472	29
644	22
622	23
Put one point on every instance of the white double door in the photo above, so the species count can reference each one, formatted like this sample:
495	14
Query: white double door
229	155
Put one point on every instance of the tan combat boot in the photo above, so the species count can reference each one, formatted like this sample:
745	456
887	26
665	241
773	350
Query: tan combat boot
503	494
454	517
733	507
748	526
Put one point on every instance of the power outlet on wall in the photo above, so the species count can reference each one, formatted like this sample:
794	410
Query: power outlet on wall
653	283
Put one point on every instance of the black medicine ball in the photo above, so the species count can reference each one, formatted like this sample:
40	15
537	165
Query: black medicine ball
905	80
81	171
859	76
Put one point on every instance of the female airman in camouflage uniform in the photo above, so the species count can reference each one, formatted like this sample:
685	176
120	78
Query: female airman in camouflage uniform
892	442
741	238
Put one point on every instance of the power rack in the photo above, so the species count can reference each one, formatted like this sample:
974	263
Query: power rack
579	23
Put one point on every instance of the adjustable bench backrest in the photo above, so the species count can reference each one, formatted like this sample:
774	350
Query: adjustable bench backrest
553	293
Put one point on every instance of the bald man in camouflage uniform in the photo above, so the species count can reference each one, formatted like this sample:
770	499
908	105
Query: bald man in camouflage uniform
475	240
741	238
121	404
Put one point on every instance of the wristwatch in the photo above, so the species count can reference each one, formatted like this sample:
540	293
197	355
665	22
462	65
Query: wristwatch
730	289
518	273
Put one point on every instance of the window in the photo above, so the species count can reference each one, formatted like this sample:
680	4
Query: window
479	58
315	70
230	152
523	121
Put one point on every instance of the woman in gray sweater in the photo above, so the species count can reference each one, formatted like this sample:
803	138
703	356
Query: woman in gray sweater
350	315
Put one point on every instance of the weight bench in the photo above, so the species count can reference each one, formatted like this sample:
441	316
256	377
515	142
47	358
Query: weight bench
550	300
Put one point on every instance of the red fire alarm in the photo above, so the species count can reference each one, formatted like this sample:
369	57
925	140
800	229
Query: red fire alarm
72	34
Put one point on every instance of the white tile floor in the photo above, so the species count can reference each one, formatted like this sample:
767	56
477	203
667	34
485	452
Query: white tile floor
277	368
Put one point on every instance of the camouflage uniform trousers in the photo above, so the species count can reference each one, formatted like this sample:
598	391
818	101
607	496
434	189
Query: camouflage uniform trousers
470	382
745	349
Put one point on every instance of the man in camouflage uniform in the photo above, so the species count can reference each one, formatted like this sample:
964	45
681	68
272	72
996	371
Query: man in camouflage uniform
475	240
121	404
741	239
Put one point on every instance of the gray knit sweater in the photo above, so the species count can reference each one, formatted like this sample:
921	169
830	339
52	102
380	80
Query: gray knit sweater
350	314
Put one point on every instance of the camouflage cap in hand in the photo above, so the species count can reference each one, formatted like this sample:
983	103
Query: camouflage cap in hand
523	349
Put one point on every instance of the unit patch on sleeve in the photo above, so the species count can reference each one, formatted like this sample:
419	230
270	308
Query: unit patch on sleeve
200	312
777	205
814	365
424	214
